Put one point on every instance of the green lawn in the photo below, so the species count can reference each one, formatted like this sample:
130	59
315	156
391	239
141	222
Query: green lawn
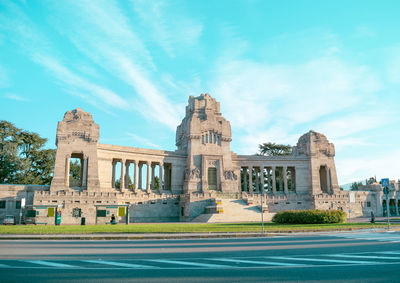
182	228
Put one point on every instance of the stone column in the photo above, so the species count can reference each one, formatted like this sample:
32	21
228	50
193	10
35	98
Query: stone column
113	175
285	183
66	176
245	179
328	185
135	181
84	171
262	178
251	179
160	178
273	180
148	177
140	187
153	168
127	163
257	181
122	178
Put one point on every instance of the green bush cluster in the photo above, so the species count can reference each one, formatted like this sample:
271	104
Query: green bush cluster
309	217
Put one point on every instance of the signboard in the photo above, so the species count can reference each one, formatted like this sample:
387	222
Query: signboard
386	190
23	202
385	182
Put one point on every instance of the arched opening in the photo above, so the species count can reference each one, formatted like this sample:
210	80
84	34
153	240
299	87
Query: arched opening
323	179
212	178
77	173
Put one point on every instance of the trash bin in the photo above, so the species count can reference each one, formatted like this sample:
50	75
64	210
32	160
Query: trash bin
83	221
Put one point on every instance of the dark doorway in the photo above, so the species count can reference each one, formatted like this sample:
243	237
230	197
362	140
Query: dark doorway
212	178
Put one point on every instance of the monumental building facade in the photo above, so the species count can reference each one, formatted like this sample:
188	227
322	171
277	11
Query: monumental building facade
201	181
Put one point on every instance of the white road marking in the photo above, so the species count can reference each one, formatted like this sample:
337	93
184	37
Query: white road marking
52	264
389	252
121	264
189	263
322	260
365	256
255	262
382	237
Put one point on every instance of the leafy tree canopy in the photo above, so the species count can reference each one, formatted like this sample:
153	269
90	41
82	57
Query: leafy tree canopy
23	160
273	149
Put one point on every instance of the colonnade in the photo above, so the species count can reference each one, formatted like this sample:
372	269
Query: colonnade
273	180
163	175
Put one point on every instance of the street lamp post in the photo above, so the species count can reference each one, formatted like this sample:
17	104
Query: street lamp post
262	210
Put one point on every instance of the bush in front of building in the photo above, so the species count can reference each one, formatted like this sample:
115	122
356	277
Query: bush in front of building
309	217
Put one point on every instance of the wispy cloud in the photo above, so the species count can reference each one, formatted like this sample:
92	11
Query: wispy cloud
143	141
130	61
74	81
16	97
258	96
168	29
383	166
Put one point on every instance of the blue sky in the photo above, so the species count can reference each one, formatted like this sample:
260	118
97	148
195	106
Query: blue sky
279	69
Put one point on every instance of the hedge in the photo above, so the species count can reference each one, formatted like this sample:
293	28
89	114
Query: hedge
309	217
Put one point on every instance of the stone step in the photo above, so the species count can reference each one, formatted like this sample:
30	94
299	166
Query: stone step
234	210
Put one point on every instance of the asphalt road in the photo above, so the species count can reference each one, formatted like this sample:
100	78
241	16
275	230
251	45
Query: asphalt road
344	257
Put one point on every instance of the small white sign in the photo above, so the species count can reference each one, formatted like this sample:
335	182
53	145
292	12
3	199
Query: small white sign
23	202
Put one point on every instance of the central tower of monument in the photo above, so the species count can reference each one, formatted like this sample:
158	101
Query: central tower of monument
205	136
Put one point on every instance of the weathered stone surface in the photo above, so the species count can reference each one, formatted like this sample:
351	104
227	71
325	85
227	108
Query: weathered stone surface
201	171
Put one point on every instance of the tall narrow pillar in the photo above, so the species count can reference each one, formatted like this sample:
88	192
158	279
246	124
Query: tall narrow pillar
153	168
127	163
135	181
113	175
285	183
66	176
245	179
122	178
262	178
84	171
273	180
160	177
256	171
328	185
148	177
140	185
251	179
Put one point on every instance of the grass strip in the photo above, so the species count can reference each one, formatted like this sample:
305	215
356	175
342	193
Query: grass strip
183	228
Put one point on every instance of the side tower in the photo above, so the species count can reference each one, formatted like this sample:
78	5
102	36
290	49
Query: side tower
322	164
205	136
77	137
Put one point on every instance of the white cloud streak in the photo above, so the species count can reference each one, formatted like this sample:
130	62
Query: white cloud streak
16	97
143	141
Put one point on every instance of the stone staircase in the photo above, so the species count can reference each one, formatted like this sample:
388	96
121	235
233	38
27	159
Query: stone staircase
233	210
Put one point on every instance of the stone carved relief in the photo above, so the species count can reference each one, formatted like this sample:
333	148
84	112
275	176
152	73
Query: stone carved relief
193	173
212	163
230	175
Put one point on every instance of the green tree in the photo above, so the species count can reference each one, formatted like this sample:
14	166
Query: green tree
356	185
370	181
75	174
273	149
22	157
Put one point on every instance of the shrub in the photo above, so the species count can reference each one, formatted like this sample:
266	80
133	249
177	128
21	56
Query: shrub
309	217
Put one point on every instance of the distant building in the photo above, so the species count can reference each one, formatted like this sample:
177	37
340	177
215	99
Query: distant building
203	180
